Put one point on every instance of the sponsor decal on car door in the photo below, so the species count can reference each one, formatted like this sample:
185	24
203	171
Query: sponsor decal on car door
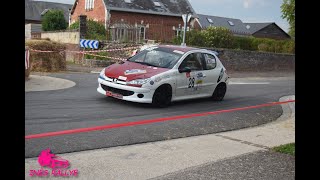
190	83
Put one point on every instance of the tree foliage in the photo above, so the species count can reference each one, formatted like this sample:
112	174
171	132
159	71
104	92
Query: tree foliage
54	20
95	30
288	12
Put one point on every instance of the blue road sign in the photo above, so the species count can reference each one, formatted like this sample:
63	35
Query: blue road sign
85	43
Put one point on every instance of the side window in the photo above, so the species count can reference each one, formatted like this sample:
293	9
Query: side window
193	61
211	61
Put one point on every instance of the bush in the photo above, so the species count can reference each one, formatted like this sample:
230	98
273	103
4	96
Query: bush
54	20
264	44
289	47
218	37
177	40
195	38
95	30
244	43
44	61
214	37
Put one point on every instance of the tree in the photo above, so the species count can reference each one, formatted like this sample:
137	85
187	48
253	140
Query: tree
54	20
95	30
288	13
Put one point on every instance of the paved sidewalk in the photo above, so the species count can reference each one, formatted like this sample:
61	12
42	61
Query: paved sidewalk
240	151
46	83
264	165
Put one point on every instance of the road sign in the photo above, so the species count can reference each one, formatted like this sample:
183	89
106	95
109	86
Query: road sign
184	17
85	43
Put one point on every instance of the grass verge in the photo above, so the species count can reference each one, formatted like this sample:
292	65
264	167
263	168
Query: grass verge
286	148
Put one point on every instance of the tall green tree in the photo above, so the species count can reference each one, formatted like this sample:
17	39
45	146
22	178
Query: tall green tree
288	12
54	20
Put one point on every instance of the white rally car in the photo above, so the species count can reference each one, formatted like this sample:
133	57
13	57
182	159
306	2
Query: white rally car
164	73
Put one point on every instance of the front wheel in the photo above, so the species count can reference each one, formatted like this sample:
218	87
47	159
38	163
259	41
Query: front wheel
162	96
219	92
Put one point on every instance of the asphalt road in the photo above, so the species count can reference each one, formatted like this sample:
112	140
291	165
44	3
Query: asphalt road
81	106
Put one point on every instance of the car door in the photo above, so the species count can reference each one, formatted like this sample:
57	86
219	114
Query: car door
189	84
213	71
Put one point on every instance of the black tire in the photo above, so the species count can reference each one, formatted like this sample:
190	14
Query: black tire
219	92
162	96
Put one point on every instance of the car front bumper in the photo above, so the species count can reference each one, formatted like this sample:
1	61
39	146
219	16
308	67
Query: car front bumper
124	92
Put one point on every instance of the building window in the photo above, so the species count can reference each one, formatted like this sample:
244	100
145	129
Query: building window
142	33
157	4
209	20
177	32
230	23
89	5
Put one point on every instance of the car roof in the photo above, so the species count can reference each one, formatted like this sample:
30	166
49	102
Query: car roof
179	48
183	49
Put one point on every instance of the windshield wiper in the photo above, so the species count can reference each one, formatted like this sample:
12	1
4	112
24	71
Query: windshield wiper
145	63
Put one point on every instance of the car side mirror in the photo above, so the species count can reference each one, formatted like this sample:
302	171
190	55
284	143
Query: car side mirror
185	69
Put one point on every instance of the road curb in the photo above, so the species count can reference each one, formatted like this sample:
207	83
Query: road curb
275	133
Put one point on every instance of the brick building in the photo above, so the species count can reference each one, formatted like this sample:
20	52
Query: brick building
136	19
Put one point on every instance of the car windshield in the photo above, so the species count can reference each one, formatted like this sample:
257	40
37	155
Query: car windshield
157	57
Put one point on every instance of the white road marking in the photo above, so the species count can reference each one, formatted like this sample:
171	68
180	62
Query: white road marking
249	83
95	72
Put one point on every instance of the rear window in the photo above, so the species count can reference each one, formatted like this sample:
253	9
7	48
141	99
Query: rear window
211	61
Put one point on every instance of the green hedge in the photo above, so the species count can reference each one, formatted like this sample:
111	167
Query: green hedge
214	37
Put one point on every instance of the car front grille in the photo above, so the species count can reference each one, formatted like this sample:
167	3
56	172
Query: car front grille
117	91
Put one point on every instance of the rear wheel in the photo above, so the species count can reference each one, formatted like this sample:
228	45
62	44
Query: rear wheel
162	96
219	92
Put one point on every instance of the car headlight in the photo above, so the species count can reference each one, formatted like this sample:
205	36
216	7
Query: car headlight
139	81
102	73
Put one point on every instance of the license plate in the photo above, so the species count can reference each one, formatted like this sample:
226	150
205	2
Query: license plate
115	95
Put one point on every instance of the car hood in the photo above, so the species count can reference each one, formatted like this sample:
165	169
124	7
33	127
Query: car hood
131	71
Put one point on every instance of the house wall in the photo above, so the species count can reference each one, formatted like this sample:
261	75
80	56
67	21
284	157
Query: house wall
32	31
72	37
272	31
27	31
160	27
97	13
